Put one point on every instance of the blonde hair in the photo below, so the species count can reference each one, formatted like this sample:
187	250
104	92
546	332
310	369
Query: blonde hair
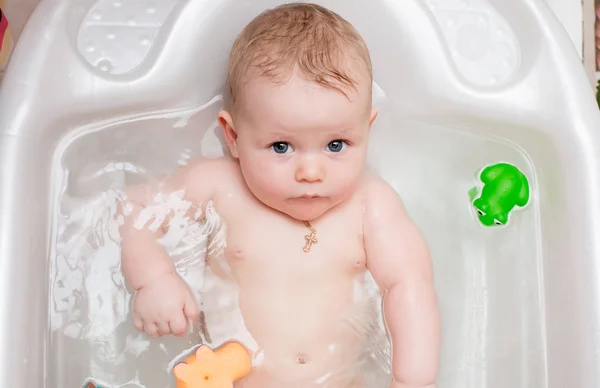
312	38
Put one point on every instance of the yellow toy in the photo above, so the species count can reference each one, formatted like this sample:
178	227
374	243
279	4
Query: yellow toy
213	369
6	40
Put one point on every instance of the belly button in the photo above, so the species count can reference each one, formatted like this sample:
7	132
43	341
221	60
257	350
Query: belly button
301	359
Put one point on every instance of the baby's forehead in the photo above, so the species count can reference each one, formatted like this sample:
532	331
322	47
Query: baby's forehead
294	82
304	102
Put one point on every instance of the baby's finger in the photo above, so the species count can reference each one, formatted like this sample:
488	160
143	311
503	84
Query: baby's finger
178	325
138	323
190	309
151	329
163	327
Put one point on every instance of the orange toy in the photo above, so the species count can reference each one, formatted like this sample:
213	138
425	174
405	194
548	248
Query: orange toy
218	369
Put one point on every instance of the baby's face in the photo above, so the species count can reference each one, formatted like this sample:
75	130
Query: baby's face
301	147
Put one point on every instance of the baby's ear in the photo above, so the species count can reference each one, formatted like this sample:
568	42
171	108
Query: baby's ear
226	122
374	113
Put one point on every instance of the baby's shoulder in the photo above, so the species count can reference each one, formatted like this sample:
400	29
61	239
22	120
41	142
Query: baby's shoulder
208	178
380	199
375	189
220	164
213	171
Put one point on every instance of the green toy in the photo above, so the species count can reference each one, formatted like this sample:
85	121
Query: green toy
504	187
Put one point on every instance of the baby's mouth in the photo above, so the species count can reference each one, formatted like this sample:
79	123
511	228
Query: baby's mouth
309	196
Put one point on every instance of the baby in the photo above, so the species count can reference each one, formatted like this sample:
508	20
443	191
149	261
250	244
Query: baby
305	221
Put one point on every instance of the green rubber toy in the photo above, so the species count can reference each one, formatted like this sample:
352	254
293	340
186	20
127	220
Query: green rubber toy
504	187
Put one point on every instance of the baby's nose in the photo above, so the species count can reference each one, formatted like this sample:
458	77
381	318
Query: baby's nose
310	169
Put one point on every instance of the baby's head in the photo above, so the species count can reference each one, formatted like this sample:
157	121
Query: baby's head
300	83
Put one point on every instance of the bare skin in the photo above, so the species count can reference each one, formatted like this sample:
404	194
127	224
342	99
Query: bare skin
298	155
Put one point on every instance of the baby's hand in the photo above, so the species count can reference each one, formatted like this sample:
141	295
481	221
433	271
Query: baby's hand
164	306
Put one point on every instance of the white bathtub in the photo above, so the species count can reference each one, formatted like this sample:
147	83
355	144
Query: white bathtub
460	84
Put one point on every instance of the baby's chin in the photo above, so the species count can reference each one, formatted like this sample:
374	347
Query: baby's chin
301	209
306	210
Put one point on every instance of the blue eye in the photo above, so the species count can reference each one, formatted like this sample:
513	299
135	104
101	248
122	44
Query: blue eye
280	147
336	146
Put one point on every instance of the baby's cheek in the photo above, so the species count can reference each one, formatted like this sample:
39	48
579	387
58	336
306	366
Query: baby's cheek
346	181
272	187
272	178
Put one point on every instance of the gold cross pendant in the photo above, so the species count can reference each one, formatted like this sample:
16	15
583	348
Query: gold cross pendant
310	238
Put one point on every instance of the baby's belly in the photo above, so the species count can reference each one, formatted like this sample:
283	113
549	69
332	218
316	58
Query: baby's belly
308	336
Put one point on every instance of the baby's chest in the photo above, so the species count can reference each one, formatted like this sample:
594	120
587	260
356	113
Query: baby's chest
275	242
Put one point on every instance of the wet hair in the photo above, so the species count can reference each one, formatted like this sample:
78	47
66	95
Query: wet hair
299	36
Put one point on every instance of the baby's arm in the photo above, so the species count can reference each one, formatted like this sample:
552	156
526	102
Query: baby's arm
399	260
163	304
